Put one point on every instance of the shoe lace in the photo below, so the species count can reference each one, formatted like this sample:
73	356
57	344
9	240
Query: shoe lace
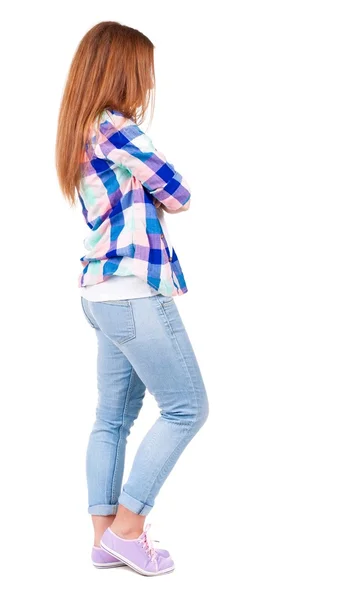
147	543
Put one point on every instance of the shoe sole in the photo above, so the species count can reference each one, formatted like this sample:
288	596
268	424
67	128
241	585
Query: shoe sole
132	565
107	566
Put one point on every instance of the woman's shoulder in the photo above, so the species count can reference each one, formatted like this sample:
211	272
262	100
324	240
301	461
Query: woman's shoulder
115	117
114	127
106	123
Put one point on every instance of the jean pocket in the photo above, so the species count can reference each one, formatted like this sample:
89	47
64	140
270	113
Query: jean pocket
164	299
115	302
115	318
85	311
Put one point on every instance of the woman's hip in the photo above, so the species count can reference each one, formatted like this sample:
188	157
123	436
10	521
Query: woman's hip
152	335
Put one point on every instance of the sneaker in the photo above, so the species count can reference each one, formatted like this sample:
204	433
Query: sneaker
103	560
139	554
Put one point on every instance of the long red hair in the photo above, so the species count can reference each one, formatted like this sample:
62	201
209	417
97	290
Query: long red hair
113	67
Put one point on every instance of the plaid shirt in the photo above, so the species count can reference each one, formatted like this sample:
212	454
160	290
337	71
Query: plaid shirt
122	172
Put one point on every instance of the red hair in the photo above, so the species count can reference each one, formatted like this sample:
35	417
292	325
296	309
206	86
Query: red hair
113	67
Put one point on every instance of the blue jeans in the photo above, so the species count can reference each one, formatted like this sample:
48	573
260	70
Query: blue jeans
142	344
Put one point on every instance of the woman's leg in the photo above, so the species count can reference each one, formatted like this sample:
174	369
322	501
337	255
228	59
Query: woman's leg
159	349
120	396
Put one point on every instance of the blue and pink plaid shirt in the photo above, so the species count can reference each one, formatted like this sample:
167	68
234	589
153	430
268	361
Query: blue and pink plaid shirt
122	173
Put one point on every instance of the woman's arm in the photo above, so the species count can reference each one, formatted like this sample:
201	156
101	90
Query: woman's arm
134	150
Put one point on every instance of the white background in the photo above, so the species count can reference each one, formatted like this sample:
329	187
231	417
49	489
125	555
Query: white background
249	108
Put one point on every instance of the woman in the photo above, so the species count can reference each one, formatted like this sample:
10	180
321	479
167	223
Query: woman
129	278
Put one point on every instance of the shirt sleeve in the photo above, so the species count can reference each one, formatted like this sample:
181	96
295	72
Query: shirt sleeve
133	149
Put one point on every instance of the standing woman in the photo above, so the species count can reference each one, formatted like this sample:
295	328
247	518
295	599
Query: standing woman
128	281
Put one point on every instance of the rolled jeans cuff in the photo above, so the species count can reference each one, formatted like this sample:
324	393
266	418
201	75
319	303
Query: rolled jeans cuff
136	506
103	509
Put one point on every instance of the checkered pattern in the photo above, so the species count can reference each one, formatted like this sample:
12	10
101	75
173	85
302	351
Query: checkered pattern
121	173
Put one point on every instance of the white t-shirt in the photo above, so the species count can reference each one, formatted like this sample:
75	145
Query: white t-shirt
124	287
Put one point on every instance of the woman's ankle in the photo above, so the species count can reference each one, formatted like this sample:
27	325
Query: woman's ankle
100	524
127	525
127	534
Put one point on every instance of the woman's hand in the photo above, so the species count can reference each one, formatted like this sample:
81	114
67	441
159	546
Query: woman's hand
156	203
161	206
